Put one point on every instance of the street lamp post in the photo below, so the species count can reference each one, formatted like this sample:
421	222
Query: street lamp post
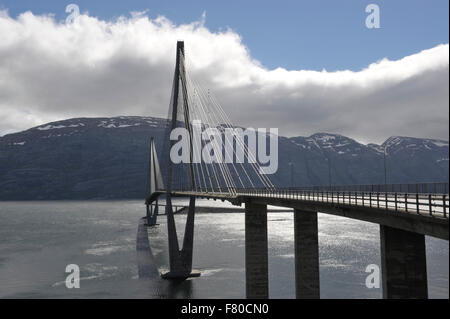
385	170
329	171
292	173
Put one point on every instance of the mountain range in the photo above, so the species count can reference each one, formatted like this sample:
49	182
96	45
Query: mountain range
107	158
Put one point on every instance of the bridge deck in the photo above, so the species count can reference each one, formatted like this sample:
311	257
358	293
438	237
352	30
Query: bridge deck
421	213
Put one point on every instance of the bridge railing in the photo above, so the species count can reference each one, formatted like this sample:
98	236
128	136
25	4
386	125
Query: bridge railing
421	188
430	199
431	204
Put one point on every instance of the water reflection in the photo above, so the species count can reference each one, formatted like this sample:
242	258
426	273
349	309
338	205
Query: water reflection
148	269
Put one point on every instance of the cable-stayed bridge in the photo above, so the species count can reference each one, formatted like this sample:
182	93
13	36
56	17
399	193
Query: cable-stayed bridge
205	156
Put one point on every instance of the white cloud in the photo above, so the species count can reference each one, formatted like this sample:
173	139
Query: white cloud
50	71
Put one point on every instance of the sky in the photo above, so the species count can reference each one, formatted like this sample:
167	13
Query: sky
301	66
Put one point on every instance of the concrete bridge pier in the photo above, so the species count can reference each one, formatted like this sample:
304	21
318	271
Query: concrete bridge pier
306	241
256	251
404	266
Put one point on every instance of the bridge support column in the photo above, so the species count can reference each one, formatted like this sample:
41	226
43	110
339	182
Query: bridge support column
403	260
256	251
306	241
148	214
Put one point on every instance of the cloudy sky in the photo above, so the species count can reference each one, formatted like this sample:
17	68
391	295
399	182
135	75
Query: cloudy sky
121	63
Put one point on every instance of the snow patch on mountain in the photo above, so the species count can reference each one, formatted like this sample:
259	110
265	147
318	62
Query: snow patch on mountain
377	148
105	124
53	127
439	143
131	121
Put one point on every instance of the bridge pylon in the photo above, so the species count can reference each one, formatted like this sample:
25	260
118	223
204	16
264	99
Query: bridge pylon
180	261
155	183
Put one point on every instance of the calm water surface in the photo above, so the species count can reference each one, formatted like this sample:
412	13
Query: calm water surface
38	240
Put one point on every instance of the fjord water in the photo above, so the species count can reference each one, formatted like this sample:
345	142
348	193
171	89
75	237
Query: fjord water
39	239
